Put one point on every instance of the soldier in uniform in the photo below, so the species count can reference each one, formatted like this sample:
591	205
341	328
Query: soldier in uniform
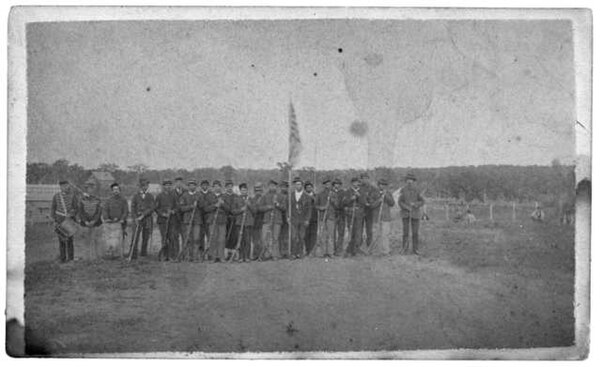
337	196
272	205
313	225
300	214
204	235
258	222
90	218
64	206
410	202
381	202
284	232
191	207
114	217
243	211
229	197
142	207
327	221
368	189
166	208
355	200
217	210
177	217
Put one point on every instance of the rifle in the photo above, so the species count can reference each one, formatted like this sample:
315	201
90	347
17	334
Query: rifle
322	222
236	251
134	240
165	242
380	231
185	245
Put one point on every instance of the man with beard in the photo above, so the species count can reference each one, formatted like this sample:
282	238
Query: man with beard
114	217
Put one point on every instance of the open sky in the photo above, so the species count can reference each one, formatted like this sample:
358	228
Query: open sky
189	94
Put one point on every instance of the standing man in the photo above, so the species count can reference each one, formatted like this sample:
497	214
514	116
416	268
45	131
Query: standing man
191	207
327	222
177	219
257	246
217	210
410	202
204	235
285	222
368	189
356	201
381	204
313	225
114	217
272	206
243	212
300	213
64	207
229	198
142	207
337	197
90	218
166	208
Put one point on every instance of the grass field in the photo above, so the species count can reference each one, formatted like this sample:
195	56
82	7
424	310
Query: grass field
489	285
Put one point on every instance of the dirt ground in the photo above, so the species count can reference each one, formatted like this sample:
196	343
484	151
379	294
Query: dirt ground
505	285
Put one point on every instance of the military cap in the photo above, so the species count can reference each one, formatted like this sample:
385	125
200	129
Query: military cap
325	180
243	185
216	183
272	182
382	181
364	175
114	184
63	182
179	178
204	182
228	183
167	182
337	181
297	179
410	176
192	181
354	179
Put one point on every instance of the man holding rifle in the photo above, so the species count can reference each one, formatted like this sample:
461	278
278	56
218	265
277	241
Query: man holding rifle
243	211
166	205
381	203
217	210
272	205
142	207
410	202
258	222
325	205
356	202
191	209
337	197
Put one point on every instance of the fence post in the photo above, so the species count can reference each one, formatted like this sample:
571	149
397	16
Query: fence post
491	212
514	212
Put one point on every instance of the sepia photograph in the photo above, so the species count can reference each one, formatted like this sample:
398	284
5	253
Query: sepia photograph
299	183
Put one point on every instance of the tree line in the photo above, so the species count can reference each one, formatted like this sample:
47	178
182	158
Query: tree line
469	183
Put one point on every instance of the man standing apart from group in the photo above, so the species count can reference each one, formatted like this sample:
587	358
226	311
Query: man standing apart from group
90	217
410	202
64	206
381	204
114	217
142	207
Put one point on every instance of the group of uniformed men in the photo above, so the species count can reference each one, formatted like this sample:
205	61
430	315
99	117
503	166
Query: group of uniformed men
213	222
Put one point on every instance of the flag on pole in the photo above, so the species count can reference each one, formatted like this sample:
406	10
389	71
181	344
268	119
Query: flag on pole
295	143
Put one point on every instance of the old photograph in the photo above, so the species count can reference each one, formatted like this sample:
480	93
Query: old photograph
299	183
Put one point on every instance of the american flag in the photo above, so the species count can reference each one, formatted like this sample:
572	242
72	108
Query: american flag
295	143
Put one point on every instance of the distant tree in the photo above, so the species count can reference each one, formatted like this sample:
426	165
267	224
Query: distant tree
108	167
